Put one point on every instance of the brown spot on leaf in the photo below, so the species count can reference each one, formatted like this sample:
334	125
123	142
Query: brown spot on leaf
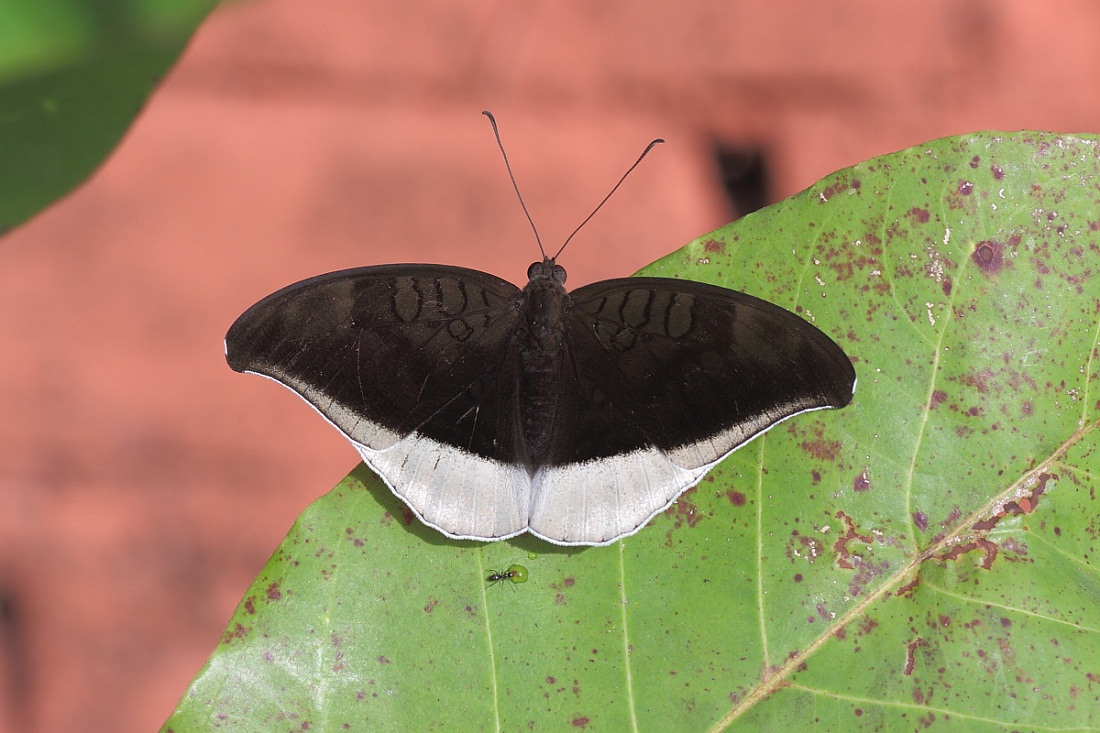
803	547
239	631
838	187
984	525
273	592
911	655
997	171
823	450
979	381
918	215
921	520
735	497
908	588
1023	505
988	548
989	256
862	482
684	511
840	547
714	245
938	398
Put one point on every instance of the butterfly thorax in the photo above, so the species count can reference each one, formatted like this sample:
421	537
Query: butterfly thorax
541	345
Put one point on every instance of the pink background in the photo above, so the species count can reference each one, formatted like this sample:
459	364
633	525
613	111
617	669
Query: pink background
143	484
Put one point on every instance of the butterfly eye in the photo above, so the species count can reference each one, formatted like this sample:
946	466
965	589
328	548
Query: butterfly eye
559	274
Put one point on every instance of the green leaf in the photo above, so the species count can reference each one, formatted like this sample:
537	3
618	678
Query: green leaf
926	555
73	76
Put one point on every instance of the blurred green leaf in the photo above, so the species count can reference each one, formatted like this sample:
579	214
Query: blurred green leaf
926	555
73	76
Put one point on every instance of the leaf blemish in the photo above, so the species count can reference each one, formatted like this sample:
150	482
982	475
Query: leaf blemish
989	256
735	497
919	215
911	655
823	450
845	558
988	548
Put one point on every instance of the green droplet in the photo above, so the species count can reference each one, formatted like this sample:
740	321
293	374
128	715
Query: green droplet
518	573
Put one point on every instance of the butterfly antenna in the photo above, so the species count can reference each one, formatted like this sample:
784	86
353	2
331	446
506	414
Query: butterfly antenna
609	194
496	132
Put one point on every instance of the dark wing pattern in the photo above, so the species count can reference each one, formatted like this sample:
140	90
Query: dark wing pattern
666	378
402	359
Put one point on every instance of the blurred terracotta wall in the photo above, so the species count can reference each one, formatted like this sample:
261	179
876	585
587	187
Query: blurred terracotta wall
144	484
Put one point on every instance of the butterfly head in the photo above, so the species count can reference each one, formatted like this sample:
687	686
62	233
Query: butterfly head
546	270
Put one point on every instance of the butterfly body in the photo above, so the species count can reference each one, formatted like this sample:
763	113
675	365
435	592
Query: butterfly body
541	344
577	416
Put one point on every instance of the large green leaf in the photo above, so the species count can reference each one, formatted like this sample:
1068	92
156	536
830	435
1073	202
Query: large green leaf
73	76
925	556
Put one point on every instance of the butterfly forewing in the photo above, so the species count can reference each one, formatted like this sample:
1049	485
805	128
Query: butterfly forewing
405	348
684	362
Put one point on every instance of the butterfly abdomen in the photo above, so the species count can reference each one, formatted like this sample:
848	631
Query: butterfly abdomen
541	346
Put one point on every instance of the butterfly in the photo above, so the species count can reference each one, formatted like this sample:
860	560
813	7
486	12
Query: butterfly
492	410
